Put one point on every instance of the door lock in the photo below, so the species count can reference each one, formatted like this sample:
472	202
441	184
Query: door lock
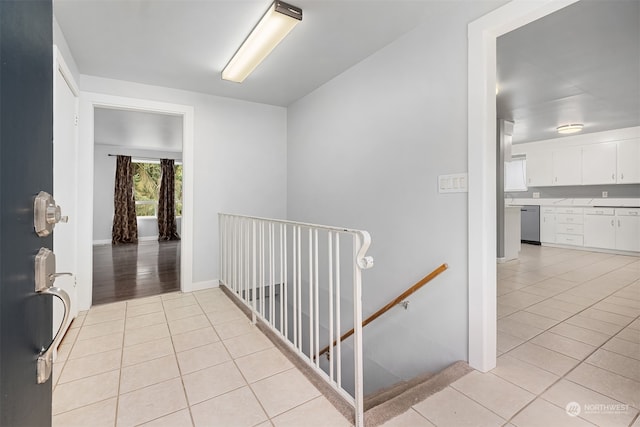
46	214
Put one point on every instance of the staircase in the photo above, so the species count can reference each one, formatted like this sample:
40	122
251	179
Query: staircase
301	285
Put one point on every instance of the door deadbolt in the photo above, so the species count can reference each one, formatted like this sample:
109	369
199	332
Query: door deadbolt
46	214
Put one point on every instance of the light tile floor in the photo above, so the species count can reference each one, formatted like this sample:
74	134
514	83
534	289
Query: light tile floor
568	331
179	360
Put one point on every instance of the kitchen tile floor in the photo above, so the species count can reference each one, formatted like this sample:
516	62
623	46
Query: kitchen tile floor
568	336
568	331
179	360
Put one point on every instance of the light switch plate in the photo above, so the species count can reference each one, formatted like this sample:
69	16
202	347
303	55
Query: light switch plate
605	194
536	194
453	183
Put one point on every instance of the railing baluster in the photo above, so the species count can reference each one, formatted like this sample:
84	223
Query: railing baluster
261	278
311	285
237	241
299	303
286	285
272	275
330	246
253	265
220	251
338	327
295	285
357	337
280	299
317	299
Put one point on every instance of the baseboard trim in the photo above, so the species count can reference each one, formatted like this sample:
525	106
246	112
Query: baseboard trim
332	395
199	286
140	239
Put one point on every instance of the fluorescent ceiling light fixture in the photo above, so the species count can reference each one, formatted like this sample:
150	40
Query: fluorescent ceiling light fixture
572	128
274	26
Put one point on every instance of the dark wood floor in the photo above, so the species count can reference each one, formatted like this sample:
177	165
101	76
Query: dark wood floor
129	271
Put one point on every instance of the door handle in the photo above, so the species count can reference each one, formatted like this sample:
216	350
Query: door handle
45	275
44	366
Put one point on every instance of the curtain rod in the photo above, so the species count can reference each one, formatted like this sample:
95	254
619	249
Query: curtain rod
140	157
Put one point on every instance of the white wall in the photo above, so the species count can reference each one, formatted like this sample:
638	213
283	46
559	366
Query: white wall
364	151
240	164
61	42
103	188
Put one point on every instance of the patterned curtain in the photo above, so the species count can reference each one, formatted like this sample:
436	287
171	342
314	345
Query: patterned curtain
167	229
125	226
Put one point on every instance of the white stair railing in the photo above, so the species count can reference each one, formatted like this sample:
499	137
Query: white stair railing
301	281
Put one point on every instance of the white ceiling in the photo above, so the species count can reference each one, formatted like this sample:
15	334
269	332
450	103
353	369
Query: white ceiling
185	44
138	129
581	64
578	65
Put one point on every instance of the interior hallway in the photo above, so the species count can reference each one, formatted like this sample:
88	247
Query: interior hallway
568	331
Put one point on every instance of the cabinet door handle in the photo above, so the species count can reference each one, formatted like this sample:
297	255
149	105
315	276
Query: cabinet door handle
612	223
621	176
613	176
618	223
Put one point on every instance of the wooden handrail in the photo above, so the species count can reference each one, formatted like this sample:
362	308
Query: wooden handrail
426	279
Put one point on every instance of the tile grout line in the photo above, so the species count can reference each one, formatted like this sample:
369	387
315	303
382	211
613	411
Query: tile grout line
569	372
249	385
175	354
572	316
239	370
124	332
580	361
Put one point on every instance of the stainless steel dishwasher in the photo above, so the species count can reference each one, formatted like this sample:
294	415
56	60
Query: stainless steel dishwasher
530	224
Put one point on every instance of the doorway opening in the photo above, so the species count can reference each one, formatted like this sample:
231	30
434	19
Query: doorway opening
481	125
136	258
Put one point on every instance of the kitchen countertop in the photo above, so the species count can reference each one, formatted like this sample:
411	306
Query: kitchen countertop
608	202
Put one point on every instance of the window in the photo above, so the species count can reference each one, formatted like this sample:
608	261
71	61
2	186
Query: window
146	186
515	174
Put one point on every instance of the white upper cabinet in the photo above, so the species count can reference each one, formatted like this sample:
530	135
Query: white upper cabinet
602	158
599	163
567	166
539	169
629	161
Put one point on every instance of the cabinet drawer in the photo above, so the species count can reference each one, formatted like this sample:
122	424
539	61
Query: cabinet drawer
569	239
628	211
569	219
599	211
569	210
569	229
548	210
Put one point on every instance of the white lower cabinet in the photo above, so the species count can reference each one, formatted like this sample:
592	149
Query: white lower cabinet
628	229
599	228
548	225
569	229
